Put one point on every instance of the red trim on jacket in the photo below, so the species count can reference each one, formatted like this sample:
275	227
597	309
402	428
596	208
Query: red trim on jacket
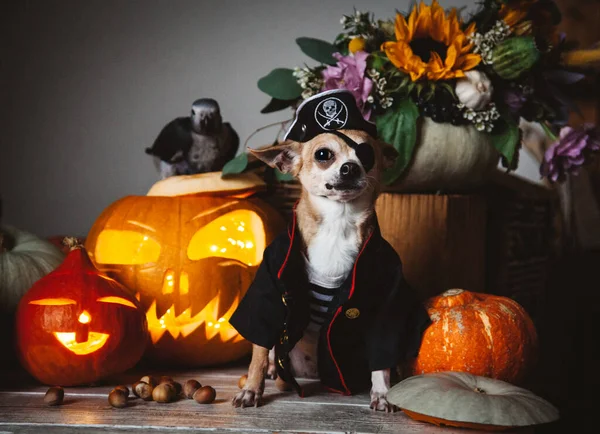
347	391
356	263
287	256
291	235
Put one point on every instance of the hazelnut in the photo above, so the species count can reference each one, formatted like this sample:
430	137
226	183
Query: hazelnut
163	393
143	390
150	380
54	396
242	381
117	398
282	385
123	389
205	395
189	387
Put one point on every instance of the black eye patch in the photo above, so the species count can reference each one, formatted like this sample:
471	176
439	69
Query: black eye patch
364	151
366	155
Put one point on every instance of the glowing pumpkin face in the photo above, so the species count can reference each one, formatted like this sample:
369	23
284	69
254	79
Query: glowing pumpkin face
76	326
190	259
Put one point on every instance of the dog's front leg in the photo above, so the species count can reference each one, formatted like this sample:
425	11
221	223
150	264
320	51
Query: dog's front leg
252	392
380	384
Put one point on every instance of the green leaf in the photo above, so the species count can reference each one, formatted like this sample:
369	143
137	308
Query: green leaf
398	127
506	138
283	177
318	50
277	104
235	166
280	84
377	61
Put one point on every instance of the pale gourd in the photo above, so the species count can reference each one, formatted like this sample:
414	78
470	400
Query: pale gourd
465	400
24	259
448	158
474	90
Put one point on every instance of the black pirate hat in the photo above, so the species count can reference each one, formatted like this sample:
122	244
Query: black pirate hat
326	112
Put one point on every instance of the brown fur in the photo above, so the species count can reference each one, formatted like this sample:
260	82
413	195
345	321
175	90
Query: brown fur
298	159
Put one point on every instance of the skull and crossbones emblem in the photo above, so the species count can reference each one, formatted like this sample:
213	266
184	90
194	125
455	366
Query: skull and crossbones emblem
331	114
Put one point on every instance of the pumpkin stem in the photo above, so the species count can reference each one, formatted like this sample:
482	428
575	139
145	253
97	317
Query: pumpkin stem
72	243
2	248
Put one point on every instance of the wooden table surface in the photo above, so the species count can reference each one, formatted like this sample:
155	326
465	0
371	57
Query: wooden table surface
86	410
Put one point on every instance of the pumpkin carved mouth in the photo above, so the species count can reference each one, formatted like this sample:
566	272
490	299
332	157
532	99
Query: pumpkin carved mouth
184	324
94	342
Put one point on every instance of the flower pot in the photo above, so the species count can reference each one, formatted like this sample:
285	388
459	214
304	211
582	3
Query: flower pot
448	158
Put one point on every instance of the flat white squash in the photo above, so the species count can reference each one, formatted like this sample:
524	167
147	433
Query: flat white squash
465	400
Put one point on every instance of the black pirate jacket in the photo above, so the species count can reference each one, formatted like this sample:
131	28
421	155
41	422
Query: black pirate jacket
375	323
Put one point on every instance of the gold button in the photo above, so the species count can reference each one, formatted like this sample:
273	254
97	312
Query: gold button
352	313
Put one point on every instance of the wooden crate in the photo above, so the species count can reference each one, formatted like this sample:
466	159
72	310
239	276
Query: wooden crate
499	240
522	240
440	239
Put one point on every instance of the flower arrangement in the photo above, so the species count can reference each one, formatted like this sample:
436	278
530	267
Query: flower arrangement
505	62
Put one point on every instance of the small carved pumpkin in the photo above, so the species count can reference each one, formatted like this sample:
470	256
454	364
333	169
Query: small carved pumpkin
464	400
75	326
483	334
190	258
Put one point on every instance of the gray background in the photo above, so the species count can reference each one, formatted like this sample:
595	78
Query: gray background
87	85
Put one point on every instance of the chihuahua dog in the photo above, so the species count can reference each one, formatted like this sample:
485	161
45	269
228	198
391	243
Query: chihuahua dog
318	272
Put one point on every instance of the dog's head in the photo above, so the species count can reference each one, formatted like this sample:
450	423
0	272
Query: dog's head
341	165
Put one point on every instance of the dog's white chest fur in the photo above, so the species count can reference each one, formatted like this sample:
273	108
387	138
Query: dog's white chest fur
333	249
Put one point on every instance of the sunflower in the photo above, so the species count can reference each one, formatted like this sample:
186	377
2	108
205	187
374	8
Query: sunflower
431	45
514	11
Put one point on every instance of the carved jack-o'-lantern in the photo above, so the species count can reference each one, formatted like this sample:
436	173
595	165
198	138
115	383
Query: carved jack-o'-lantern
190	258
75	326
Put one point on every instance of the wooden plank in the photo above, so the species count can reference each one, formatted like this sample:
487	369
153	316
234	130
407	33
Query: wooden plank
440	239
281	413
86	409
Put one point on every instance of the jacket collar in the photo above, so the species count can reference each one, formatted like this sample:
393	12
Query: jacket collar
293	258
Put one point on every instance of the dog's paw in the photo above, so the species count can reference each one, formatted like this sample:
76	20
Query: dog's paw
380	403
247	398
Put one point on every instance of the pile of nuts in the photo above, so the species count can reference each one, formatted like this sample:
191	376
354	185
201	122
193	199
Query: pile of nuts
163	390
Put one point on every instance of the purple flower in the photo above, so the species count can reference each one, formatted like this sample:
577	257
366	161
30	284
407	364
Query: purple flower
349	74
514	99
570	152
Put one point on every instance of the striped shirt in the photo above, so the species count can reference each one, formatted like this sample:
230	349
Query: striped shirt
321	292
320	299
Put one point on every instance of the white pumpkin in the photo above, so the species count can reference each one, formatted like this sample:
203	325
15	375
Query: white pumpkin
24	258
448	158
474	90
465	400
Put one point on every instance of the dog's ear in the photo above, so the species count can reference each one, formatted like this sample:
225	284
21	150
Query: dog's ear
389	155
286	156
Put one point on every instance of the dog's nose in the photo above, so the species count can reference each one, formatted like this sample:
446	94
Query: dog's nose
349	170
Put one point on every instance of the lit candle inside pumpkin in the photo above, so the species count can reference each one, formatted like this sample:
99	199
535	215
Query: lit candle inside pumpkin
82	334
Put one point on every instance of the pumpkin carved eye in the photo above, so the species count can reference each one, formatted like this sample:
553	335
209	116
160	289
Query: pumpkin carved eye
126	248
238	235
116	300
53	302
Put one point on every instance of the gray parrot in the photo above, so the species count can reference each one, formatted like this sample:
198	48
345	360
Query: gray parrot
199	143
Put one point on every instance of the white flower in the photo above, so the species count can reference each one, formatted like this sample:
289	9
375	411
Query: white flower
474	90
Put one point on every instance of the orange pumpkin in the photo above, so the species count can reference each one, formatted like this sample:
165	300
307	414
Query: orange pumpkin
75	326
483	334
190	258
